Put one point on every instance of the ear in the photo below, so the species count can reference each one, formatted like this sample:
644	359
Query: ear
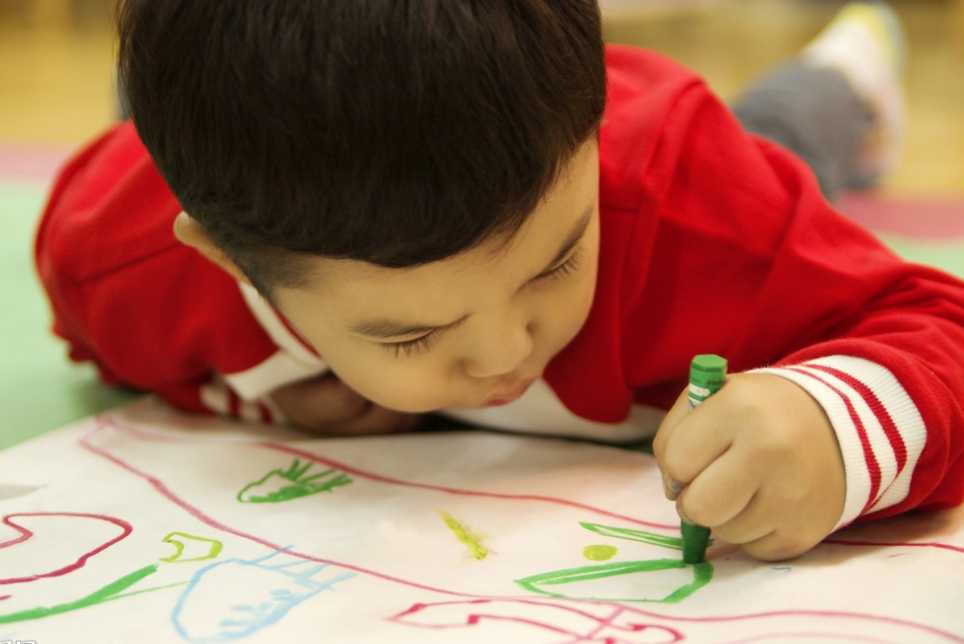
190	233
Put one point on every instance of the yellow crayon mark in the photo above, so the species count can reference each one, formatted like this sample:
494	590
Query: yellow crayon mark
466	536
214	547
599	552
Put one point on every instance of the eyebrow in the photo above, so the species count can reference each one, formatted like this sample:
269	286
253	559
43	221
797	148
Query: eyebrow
388	328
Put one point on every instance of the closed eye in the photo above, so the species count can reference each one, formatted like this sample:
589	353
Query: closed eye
565	268
410	347
424	343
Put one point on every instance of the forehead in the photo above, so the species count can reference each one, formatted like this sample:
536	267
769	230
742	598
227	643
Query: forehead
350	288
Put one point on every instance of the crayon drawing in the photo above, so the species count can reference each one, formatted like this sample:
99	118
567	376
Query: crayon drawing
146	525
291	483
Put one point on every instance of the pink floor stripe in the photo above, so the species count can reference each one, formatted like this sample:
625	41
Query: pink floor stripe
31	162
920	217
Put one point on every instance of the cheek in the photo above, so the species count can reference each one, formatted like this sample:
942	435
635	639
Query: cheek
406	385
579	300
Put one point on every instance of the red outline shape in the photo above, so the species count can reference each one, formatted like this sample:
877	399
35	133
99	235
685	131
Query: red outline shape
25	535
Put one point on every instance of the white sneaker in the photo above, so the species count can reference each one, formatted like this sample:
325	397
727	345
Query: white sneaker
866	42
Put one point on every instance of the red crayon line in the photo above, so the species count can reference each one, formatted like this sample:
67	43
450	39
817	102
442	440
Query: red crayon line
109	422
475	617
909	544
125	527
810	636
603	623
462	492
418	607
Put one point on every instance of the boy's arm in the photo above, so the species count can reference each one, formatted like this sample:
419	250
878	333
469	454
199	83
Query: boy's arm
749	261
143	332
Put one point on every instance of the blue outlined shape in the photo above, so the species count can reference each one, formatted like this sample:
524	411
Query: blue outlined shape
275	589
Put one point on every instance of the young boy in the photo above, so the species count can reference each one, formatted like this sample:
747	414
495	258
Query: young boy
428	200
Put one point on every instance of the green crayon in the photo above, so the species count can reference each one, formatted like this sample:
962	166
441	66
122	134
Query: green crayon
707	375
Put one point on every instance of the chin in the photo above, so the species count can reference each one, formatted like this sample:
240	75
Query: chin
409	408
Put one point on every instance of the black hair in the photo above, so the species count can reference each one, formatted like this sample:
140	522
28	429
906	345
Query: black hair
396	132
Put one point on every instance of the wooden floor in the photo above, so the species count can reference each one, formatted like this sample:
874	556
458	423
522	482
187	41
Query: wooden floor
56	80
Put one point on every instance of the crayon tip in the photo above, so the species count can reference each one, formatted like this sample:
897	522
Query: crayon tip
695	540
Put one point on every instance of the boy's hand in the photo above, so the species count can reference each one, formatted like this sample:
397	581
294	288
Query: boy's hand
326	405
760	465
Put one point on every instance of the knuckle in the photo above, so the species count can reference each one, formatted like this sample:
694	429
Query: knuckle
743	399
729	534
770	446
777	548
677	469
695	511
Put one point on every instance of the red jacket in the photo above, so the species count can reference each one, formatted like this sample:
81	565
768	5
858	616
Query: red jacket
712	241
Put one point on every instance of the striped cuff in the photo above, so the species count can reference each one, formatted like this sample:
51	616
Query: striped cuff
880	431
219	397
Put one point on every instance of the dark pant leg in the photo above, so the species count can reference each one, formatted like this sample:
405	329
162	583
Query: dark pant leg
814	112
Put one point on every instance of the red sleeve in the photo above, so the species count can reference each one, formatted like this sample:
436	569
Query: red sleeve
150	312
749	261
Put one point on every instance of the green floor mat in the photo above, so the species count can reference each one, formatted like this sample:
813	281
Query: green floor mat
39	389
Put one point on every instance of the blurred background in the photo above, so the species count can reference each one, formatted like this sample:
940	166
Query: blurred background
56	57
57	90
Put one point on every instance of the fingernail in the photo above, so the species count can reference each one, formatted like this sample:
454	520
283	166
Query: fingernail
671	488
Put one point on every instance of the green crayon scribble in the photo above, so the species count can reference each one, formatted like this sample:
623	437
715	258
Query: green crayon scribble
104	594
599	552
280	485
466	536
702	573
674	543
146	590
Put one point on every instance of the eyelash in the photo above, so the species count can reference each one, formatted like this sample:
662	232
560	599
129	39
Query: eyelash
411	347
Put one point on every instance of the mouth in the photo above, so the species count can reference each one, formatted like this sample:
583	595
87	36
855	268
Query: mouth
510	395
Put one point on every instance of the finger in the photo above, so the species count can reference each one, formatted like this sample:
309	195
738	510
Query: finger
750	525
699	438
676	413
720	492
777	546
672	418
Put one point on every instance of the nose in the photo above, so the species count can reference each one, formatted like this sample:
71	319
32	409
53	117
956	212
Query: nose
501	353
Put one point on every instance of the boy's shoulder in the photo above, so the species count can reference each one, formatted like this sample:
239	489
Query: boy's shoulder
642	89
636	70
109	209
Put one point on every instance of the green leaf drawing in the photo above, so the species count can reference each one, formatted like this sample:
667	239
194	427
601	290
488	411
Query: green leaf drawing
702	573
552	583
294	482
651	538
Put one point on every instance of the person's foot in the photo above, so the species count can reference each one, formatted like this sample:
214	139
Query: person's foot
866	43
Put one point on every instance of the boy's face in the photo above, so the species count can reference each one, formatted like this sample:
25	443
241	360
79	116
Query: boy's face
467	331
